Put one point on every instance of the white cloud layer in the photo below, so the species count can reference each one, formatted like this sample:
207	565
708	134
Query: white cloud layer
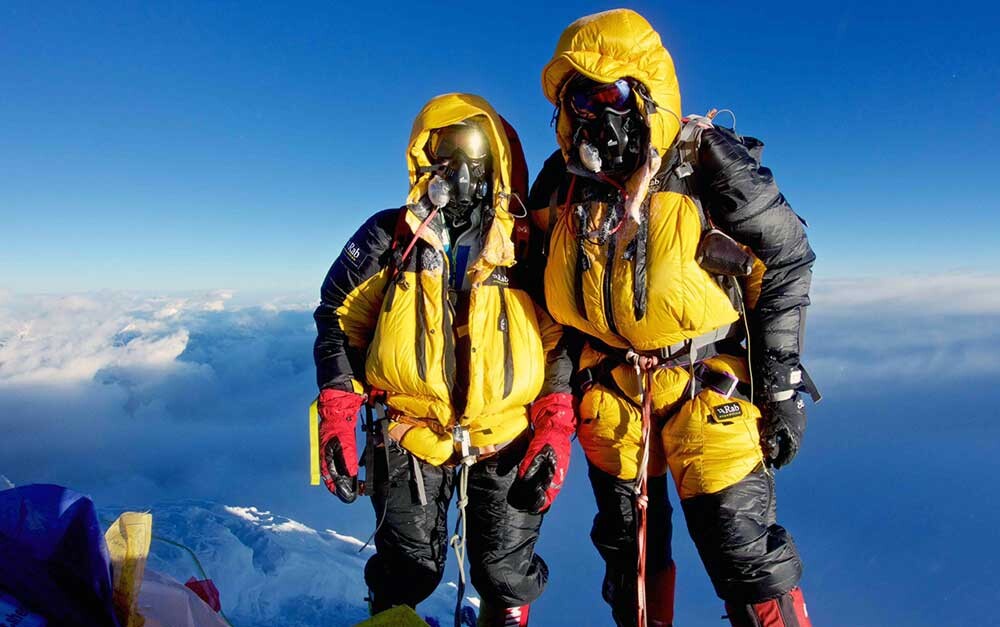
916	330
943	294
139	398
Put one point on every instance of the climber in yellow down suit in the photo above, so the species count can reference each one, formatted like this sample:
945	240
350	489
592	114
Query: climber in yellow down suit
675	260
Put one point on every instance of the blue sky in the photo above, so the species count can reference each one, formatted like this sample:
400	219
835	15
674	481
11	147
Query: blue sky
227	145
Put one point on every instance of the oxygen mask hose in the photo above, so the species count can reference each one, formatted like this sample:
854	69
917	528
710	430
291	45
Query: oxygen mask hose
438	191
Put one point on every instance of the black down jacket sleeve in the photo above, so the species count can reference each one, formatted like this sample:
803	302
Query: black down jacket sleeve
555	337
743	200
350	301
552	176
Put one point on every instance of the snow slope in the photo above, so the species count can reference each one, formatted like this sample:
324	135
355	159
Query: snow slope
270	570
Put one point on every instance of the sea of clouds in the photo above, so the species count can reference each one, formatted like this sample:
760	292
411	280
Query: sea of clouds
140	399
137	398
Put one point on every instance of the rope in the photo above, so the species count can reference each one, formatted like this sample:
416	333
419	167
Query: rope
378	525
730	112
644	376
746	327
514	195
370	468
458	539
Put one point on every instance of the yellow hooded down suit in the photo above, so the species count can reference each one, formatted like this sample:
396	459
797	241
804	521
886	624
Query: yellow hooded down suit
451	352
639	287
683	301
391	326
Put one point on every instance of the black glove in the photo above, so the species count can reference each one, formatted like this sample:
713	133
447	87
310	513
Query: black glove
542	472
784	426
529	492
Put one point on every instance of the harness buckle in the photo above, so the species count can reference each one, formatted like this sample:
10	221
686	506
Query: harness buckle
684	170
724	383
463	442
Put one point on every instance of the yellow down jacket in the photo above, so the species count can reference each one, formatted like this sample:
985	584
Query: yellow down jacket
605	47
390	327
590	281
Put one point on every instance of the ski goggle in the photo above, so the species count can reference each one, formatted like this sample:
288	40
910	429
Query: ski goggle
590	103
467	138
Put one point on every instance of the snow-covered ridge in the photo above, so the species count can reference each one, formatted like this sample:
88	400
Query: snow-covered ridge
271	570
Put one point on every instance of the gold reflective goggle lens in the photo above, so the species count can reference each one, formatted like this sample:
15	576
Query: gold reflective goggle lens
469	139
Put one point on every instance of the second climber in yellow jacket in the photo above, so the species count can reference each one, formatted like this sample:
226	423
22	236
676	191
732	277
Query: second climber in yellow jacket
426	311
676	260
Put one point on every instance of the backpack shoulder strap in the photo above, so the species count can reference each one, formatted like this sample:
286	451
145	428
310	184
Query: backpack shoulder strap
402	245
688	140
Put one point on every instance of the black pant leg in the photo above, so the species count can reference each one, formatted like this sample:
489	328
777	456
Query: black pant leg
411	540
614	535
503	565
748	556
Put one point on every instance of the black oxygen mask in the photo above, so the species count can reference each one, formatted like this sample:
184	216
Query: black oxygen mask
462	171
609	134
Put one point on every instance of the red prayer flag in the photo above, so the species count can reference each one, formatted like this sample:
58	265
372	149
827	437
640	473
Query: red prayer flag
206	591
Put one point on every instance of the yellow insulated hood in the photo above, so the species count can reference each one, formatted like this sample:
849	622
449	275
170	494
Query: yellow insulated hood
445	110
611	45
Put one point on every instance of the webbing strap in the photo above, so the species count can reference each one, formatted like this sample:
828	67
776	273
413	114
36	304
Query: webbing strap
683	351
463	448
687	143
692	359
368	484
810	386
418	480
721	382
799	381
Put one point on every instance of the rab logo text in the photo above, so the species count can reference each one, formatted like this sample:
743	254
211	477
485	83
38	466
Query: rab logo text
726	413
353	253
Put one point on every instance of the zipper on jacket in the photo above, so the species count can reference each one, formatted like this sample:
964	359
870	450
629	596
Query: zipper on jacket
390	296
503	325
609	314
421	347
447	329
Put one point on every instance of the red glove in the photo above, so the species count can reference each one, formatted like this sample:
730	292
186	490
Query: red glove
338	445
543	470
